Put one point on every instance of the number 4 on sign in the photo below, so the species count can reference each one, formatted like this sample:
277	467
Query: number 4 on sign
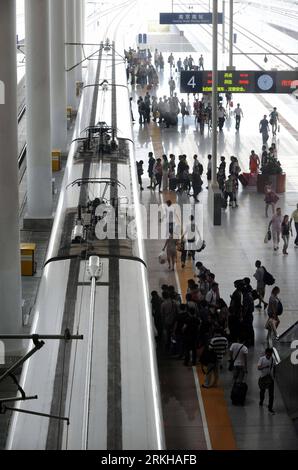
192	82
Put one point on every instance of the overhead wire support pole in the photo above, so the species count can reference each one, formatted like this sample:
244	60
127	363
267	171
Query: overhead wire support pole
216	194
231	33
214	91
223	26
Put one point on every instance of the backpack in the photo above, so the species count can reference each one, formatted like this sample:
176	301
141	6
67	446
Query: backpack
280	308
268	278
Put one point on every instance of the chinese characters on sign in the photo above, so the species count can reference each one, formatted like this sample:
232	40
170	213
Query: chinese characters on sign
188	18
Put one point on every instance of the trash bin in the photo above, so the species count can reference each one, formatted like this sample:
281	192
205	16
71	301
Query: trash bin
56	160
28	265
69	112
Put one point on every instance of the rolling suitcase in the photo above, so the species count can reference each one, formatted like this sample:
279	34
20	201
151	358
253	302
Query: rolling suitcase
243	180
238	393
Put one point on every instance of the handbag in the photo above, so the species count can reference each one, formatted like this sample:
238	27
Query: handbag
232	361
268	236
162	257
202	247
265	382
280	308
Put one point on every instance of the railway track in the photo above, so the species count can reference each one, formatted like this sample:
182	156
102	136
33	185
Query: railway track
257	40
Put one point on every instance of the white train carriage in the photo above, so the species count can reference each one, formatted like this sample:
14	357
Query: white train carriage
107	384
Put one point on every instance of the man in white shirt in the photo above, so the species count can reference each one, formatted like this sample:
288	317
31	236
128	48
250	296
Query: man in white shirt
238	114
266	367
192	240
171	215
221	114
238	354
212	297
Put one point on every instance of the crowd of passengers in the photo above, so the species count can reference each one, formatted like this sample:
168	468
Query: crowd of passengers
139	69
166	173
205	322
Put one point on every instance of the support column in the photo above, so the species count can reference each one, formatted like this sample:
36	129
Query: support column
83	20
231	33
71	59
215	191
10	276
58	75
223	26
79	39
38	114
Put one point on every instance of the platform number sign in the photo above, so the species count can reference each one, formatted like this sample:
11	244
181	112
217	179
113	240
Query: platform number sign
239	81
192	82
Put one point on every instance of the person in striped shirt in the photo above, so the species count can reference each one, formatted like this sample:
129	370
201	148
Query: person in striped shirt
218	344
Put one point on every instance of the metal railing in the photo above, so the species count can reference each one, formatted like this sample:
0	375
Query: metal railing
286	372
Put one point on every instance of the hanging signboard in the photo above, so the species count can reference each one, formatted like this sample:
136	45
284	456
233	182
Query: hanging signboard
188	18
239	81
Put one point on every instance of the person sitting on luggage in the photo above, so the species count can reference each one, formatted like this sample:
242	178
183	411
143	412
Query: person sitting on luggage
238	354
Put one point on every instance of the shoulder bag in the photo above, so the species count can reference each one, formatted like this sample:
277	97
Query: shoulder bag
232	361
267	380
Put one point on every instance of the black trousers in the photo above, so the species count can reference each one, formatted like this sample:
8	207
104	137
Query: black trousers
271	395
221	122
296	239
184	255
190	346
238	119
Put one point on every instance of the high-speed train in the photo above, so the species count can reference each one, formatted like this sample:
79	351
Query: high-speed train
101	392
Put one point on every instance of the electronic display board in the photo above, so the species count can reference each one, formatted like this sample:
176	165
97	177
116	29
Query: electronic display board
239	81
188	18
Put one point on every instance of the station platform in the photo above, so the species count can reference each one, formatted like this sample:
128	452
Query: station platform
197	418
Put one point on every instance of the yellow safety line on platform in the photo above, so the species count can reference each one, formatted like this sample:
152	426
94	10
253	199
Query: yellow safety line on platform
220	431
217	415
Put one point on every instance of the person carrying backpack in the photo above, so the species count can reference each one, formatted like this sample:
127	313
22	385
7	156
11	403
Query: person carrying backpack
259	275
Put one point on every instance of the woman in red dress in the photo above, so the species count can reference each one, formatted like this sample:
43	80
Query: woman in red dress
254	162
